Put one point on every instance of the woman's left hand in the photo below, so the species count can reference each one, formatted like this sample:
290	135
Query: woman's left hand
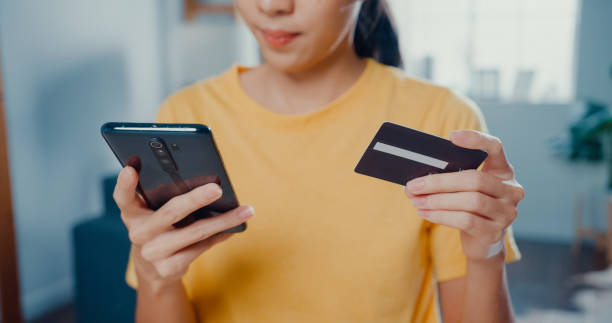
480	203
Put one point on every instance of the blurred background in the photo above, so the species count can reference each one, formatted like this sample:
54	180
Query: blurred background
541	71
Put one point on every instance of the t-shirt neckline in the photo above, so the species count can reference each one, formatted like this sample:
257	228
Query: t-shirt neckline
264	113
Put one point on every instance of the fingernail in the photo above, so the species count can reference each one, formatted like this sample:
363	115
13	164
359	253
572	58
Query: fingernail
418	202
455	133
422	213
213	193
416	185
247	213
124	175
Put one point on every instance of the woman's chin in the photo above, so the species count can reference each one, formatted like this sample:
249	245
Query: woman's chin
289	62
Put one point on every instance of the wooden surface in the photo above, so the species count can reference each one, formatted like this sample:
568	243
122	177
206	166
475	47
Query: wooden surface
603	239
609	233
9	282
193	8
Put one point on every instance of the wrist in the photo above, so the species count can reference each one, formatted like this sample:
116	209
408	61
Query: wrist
159	287
495	261
150	280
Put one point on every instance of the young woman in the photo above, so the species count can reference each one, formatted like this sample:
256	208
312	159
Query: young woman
327	244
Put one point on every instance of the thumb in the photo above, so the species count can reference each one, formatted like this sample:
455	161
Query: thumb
496	163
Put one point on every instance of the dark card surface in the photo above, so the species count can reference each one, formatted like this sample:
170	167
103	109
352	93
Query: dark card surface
398	154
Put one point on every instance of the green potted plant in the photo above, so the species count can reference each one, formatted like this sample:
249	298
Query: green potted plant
590	138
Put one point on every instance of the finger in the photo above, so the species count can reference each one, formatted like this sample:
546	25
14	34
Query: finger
125	191
177	264
463	181
473	202
496	161
517	192
169	242
482	229
202	180
173	211
182	205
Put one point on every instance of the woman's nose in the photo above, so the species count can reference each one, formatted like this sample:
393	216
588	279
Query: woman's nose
276	7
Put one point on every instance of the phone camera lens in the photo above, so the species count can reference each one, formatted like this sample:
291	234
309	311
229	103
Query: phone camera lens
156	145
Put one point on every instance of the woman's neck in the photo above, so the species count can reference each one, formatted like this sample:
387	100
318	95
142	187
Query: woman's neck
307	90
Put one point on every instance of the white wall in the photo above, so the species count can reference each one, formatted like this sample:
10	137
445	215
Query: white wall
594	61
204	47
551	183
68	66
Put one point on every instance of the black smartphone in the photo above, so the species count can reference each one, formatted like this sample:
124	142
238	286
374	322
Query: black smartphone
172	159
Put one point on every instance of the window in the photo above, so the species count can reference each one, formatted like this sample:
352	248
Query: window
492	50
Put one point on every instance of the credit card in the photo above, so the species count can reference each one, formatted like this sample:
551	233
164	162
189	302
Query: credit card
399	154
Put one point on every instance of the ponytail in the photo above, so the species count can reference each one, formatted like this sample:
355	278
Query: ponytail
375	34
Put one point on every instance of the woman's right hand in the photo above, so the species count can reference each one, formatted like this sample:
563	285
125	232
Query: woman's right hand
162	253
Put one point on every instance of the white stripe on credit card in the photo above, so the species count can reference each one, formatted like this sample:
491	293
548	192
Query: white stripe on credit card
411	155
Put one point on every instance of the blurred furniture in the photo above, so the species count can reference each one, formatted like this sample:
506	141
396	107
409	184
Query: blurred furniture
609	233
101	250
602	239
523	85
193	8
9	280
591	139
485	85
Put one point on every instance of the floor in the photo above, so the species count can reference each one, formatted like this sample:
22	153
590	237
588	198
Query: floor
543	279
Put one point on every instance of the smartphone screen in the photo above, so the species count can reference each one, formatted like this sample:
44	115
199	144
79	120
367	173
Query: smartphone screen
172	159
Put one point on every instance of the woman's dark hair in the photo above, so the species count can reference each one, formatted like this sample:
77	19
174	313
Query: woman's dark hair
375	34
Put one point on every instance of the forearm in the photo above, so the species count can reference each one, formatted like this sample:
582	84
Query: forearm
163	304
486	297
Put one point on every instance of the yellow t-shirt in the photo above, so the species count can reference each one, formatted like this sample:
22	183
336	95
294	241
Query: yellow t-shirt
326	244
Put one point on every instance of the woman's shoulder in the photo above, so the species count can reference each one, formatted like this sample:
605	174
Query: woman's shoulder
403	81
186	103
410	87
439	104
198	90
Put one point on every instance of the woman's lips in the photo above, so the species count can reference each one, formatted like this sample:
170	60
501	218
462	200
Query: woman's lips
278	38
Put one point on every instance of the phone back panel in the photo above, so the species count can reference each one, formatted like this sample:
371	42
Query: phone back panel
195	157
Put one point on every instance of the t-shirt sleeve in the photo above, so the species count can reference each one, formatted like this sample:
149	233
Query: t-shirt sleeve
130	273
448	259
164	115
